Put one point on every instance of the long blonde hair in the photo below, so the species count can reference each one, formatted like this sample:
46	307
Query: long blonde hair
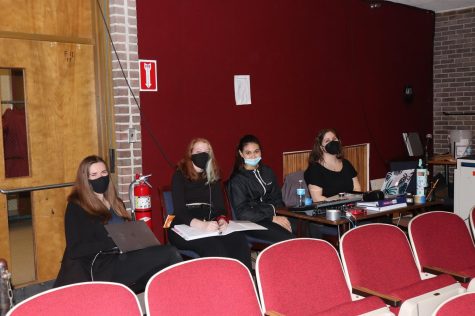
84	196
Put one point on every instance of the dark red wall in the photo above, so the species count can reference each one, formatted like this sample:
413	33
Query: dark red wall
313	64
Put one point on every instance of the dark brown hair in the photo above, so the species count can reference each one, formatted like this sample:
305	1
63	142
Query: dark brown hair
246	139
317	153
84	196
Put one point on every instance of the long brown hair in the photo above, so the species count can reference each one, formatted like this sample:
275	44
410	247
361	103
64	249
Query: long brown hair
186	165
317	153
84	196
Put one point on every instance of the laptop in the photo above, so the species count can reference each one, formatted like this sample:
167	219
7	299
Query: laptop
130	236
397	182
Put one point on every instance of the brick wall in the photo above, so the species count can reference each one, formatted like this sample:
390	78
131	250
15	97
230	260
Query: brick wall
123	26
454	74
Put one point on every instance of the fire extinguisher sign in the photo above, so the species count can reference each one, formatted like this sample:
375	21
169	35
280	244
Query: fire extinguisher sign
148	75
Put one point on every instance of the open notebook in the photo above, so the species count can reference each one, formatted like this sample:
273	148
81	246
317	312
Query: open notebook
190	233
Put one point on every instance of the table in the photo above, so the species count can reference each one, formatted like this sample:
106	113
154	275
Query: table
443	162
343	224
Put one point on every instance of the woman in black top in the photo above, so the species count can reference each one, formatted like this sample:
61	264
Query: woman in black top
198	202
90	254
255	193
328	173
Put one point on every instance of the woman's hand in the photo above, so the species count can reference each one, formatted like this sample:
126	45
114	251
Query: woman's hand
210	226
282	221
223	224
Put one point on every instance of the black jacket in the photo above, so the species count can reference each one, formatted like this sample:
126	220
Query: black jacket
255	194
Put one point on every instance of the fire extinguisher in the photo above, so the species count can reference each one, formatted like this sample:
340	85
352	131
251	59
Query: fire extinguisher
141	200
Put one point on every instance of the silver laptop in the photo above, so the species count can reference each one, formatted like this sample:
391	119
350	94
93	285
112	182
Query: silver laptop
130	236
396	182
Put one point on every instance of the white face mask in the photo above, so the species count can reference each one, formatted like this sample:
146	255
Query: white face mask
252	162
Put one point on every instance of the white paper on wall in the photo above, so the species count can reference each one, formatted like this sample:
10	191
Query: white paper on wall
242	89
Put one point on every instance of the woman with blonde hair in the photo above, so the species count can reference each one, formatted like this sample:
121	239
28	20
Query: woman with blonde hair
198	202
90	253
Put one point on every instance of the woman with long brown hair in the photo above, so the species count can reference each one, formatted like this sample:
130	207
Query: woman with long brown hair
198	202
90	254
328	172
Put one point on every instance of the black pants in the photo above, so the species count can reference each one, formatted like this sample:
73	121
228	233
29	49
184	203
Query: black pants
233	246
132	269
273	234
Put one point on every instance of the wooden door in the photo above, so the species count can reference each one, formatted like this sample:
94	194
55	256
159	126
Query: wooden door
62	129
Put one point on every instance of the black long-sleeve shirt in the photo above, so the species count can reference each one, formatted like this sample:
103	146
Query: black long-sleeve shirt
185	191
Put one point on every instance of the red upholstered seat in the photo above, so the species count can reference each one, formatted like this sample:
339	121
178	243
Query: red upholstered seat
422	287
90	298
442	240
472	222
378	257
204	286
305	277
353	307
463	304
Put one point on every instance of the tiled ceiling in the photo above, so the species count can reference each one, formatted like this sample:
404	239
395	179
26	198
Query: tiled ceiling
439	5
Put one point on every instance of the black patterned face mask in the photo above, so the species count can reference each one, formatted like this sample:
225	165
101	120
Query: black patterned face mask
200	160
333	147
100	185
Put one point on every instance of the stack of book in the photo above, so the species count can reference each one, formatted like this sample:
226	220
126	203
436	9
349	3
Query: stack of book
384	205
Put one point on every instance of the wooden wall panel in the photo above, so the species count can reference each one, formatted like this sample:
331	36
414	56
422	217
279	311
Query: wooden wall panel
358	155
48	229
4	233
71	18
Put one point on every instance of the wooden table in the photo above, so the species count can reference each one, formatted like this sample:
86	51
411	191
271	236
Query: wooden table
343	224
443	162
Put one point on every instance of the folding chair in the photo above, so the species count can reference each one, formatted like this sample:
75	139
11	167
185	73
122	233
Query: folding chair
304	277
88	298
442	244
204	286
462	304
378	261
166	200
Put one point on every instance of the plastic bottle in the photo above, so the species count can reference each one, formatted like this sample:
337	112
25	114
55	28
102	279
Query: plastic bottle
421	177
301	194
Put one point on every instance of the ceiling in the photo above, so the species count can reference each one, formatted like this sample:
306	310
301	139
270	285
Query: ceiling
439	5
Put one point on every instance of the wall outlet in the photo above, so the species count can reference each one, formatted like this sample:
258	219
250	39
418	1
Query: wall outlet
132	135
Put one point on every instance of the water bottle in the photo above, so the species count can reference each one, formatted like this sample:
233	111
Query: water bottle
421	177
301	194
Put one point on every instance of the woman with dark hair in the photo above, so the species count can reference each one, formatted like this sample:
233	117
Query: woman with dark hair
328	172
255	194
90	254
198	202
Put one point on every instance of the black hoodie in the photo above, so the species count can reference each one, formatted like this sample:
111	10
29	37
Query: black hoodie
255	194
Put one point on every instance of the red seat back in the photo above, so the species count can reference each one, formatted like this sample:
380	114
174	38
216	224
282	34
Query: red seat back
441	239
89	298
463	304
378	257
205	286
301	277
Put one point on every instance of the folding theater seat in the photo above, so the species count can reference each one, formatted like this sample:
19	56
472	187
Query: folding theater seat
379	261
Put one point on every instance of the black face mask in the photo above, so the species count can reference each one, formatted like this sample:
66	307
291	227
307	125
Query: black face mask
100	185
200	160
333	147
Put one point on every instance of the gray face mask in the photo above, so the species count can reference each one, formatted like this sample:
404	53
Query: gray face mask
333	147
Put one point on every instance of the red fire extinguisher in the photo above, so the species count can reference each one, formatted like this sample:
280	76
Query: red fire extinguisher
141	200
